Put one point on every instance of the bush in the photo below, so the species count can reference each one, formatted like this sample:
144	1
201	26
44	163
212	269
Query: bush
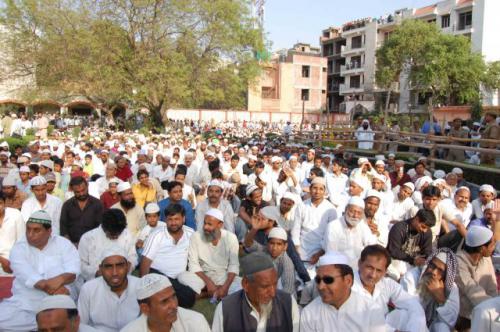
50	130
30	132
24	141
76	132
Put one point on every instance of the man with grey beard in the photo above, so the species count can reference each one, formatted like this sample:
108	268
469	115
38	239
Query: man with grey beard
213	257
434	284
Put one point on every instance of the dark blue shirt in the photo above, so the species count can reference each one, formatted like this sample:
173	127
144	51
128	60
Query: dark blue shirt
190	221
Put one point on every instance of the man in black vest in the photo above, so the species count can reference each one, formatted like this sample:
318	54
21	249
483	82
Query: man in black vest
259	306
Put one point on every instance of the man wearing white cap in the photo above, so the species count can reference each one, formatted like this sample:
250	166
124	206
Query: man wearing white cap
336	180
365	136
136	220
486	199
213	256
316	211
41	200
338	308
43	264
377	221
109	302
402	203
160	310
215	200
103	182
348	234
23	183
164	171
5	165
59	313
476	278
14	198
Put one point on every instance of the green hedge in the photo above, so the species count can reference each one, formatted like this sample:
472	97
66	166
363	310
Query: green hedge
18	141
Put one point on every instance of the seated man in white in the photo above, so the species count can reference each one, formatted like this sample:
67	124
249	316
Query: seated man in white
215	200
160	310
112	232
109	302
213	256
43	264
370	281
434	284
338	308
59	313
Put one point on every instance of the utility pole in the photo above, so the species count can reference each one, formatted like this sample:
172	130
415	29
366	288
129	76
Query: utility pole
303	111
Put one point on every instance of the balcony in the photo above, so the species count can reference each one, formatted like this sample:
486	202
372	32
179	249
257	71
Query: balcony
352	32
345	89
352	68
345	50
333	88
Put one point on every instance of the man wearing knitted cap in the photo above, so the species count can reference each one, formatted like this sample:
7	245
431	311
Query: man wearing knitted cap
215	200
43	264
109	302
434	284
213	257
59	313
476	276
41	200
160	311
338	308
259	306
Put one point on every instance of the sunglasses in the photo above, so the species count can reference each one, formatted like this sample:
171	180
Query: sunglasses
328	280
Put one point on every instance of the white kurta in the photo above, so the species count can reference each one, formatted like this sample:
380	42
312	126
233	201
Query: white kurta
388	291
356	314
224	206
335	185
187	321
365	135
102	309
11	230
400	209
95	241
485	316
478	207
52	206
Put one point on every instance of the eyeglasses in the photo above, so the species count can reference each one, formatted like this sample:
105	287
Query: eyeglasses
328	280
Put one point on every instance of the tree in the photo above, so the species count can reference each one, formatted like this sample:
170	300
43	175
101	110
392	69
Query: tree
153	53
438	65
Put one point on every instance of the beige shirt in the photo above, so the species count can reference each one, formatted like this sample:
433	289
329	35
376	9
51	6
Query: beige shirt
477	283
136	219
187	321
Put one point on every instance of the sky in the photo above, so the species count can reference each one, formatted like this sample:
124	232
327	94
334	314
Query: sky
290	21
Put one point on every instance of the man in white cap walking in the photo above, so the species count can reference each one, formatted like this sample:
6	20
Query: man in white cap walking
160	311
338	308
476	276
59	313
43	264
109	302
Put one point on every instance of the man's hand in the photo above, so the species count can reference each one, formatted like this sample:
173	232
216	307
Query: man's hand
258	222
139	244
211	287
373	227
54	284
436	289
315	258
5	264
61	291
221	292
419	261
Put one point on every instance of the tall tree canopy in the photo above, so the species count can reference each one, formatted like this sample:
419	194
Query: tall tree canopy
155	53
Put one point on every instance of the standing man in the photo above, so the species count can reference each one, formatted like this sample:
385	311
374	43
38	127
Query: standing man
366	135
458	132
492	131
81	213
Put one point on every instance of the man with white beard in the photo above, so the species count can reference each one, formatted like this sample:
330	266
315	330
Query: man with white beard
434	284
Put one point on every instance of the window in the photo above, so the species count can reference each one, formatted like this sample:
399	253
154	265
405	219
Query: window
305	94
323	91
464	20
324	69
357	42
305	71
355	82
445	21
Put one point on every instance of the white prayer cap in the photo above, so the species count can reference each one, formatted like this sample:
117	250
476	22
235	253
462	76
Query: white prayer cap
114	180
476	124
275	159
27	155
270	212
391	155
47	163
216	213
289	195
113	250
252	157
9	181
151	284
37	181
293	157
278	233
319	180
211	154
362	161
24	169
477	236
488	188
419	183
375	176
46	151
457	170
152	208
380	157
410	185
422	158
333	258
373	193
357	201
312	151
250	189
442	257
4	153
338	146
380	162
56	302
4	144
439	174
122	186
216	183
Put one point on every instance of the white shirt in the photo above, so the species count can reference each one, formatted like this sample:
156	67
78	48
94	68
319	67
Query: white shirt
168	257
349	241
356	314
102	185
388	291
30	265
161	174
147	230
335	185
485	316
12	229
463	216
218	322
382	221
102	309
478	207
224	206
52	206
94	242
187	321
401	208
309	218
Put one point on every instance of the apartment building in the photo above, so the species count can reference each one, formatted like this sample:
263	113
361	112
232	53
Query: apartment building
293	79
352	69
